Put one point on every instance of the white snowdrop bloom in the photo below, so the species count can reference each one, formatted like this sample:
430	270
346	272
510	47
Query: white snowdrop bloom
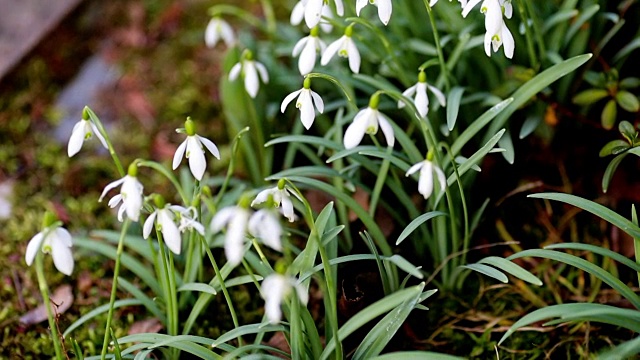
249	69
297	15
55	240
308	48
188	218
497	32
305	102
281	196
82	131
367	121
130	194
315	9
193	149
164	219
239	220
217	30
274	289
346	48
384	8
425	180
432	2
421	100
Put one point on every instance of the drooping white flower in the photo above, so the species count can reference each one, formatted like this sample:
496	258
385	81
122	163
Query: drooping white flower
421	100
193	149
249	69
425	180
188	218
239	220
433	2
130	194
346	48
297	15
82	131
314	10
217	30
55	240
281	196
366	122
164	218
384	8
308	47
274	289
305	102
497	33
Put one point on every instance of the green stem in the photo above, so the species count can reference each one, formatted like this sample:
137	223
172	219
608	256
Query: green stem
533	59
537	32
436	39
114	286
230	169
44	290
170	291
162	170
381	178
269	14
96	120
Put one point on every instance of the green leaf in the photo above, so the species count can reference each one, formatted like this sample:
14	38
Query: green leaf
630	47
144	299
477	125
511	268
535	85
626	350
380	335
453	106
597	250
614	147
406	266
577	24
628	101
529	126
590	96
609	113
305	139
246	330
99	310
417	222
371	312
200	287
586	266
323	217
627	130
630	82
610	170
594	208
416	355
476	157
487	270
551	312
506	143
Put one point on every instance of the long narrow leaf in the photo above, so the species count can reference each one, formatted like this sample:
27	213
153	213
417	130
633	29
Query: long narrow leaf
487	270
99	310
597	250
415	223
511	268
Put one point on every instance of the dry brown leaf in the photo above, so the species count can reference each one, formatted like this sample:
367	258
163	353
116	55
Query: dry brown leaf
151	325
278	341
60	301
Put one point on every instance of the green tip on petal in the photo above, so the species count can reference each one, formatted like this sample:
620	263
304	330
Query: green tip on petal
422	76
189	127
85	113
158	200
281	267
374	100
48	219
281	183
133	169
307	83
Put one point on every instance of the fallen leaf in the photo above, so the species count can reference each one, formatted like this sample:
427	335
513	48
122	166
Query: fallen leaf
151	325
60	301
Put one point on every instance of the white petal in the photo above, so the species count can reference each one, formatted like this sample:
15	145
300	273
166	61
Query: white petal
360	4
62	256
330	51
287	208
177	157
384	10
317	100
425	183
288	99
307	59
274	288
195	154
415	168
233	243
170	231
222	217
251	83
266	226
441	178
262	196
33	247
354	56
148	225
132	197
307	112
432	2
312	12
114	201
325	25
213	149
111	185
487	43
211	33
387	130
339	7
439	95
226	32
508	42
422	100
235	71
63	236
297	48
493	17
297	14
264	75
410	91
355	131
77	138
99	135
470	5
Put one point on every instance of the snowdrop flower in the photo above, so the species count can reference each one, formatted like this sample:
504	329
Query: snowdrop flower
239	220
421	99
366	122
305	102
188	219
249	69
217	30
130	194
297	15
384	8
314	9
52	239
497	32
193	149
164	218
307	48
425	181
275	288
281	197
82	131
346	48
